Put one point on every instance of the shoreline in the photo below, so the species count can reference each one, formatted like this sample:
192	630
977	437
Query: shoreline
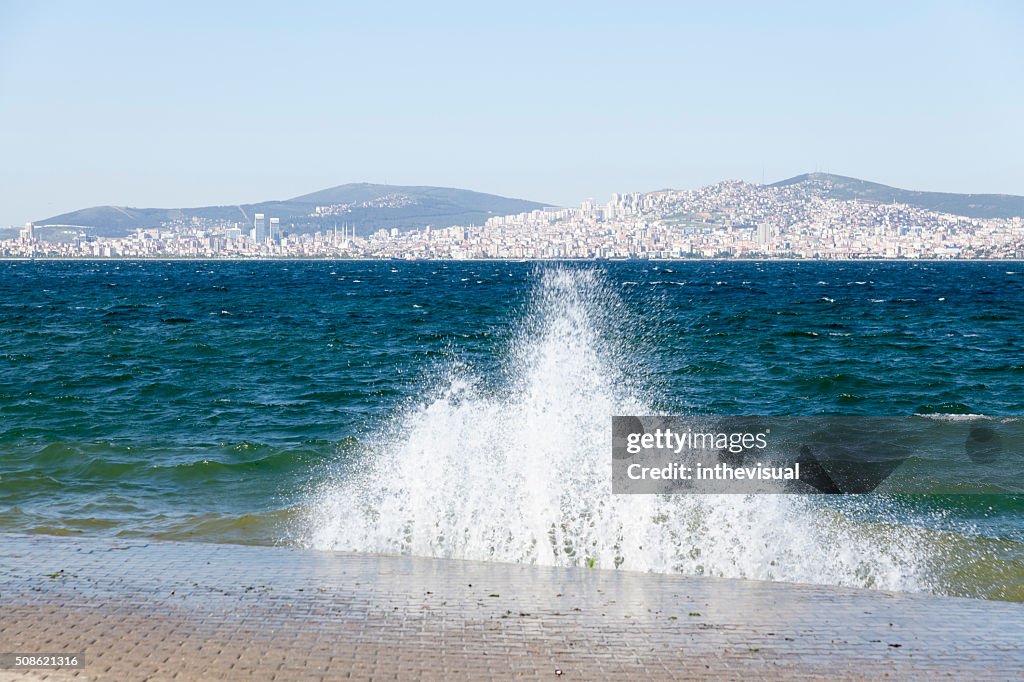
254	259
142	609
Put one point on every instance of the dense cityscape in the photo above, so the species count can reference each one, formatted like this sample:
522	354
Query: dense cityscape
729	219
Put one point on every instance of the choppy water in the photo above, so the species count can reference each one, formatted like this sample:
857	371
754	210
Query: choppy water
462	409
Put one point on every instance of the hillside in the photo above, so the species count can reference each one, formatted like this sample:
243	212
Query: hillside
361	205
971	205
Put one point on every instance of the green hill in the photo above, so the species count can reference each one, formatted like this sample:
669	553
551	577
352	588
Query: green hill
364	206
971	205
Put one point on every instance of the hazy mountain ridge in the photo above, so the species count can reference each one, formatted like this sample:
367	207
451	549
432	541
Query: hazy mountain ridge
364	206
368	207
970	205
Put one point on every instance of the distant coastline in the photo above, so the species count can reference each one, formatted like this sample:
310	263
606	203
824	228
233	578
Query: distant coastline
809	217
299	259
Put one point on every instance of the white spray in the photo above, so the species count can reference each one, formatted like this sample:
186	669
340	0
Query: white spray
522	473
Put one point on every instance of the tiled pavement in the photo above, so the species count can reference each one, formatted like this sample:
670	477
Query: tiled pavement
162	610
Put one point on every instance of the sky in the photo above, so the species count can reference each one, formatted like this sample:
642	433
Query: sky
194	103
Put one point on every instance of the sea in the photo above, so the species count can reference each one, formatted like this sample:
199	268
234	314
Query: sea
463	409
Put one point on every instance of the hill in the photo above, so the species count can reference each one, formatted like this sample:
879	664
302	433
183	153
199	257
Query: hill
971	205
364	206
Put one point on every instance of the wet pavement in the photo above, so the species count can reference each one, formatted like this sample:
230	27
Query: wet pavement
142	610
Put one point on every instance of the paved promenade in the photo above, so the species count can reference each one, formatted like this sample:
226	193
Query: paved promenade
162	610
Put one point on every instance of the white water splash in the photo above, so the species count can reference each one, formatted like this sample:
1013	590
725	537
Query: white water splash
523	474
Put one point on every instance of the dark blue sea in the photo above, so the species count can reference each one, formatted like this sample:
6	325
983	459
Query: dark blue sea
462	409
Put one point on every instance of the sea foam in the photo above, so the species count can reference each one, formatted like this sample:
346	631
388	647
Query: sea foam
519	470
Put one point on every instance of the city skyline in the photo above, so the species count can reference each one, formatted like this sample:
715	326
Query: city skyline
394	193
801	219
183	106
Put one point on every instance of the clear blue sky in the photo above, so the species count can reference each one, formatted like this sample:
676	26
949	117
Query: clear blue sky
183	104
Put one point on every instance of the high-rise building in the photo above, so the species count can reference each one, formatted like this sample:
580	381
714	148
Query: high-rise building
274	235
28	233
260	228
764	234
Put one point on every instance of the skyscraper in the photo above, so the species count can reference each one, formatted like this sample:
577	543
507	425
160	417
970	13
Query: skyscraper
764	234
274	235
260	227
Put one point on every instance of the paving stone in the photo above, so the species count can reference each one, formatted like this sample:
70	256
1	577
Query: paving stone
188	611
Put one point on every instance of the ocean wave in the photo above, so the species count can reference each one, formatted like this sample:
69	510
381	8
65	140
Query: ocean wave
519	472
